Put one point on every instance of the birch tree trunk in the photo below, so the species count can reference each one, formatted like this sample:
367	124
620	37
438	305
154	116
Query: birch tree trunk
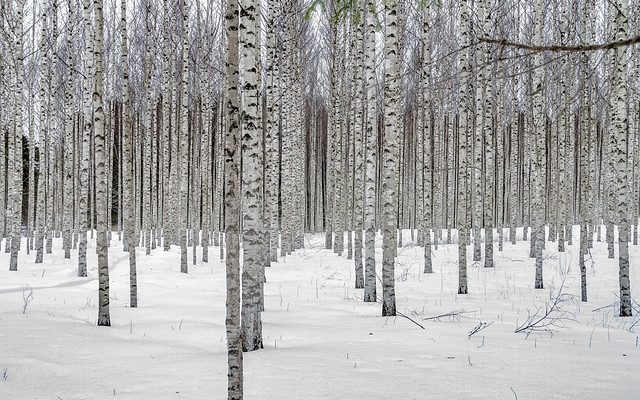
206	178
184	135
10	168
45	77
563	129
232	204
50	211
16	186
359	133
619	131
86	132
488	135
102	243
147	135
370	156
477	149
3	158
584	137
272	134
4	206
68	154
427	154
167	139
539	121
463	128
31	209
129	169
251	177
391	107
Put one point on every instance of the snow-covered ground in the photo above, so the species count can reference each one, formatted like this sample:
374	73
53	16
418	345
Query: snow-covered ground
321	340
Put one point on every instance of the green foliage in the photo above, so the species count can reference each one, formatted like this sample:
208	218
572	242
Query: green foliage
345	8
312	7
425	4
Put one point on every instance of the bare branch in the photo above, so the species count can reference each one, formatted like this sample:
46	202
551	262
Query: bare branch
452	315
550	316
559	48
480	327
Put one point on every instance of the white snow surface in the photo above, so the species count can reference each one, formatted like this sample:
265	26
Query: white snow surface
321	341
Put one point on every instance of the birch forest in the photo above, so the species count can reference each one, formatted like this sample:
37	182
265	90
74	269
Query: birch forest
318	199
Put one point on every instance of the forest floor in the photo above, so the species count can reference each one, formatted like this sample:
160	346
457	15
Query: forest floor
320	340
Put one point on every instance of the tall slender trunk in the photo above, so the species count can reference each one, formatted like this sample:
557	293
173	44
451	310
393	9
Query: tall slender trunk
86	132
16	160
102	243
41	212
232	204
68	154
390	154
489	149
359	140
463	129
167	139
129	168
272	134
425	134
147	135
184	144
619	132
371	145
539	121
251	177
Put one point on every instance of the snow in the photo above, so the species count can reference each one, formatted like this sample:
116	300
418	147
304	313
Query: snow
321	341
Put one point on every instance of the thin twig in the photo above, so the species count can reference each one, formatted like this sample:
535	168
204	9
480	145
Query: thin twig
451	314
410	319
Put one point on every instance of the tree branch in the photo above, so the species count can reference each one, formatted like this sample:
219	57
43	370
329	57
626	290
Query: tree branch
559	48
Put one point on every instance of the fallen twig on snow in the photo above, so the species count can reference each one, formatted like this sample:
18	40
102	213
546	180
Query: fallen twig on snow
404	316
27	296
480	327
548	317
603	307
410	319
452	315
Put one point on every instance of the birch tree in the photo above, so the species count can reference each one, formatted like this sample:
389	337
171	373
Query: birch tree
128	166
619	132
539	141
232	204
45	77
391	106
370	156
463	118
251	177
86	132
359	133
184	126
15	157
101	173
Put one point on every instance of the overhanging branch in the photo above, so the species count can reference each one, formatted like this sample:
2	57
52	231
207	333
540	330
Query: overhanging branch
559	48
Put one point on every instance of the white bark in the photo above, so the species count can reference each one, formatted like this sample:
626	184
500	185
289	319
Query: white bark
390	154
102	243
370	157
251	177
619	132
232	204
